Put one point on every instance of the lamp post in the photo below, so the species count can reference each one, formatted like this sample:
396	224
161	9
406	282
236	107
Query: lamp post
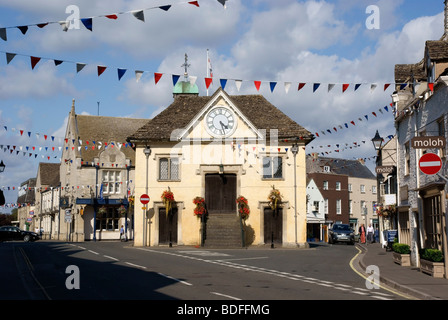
147	152
295	150
377	142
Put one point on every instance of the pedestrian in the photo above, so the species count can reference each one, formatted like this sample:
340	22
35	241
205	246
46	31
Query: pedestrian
370	233
122	235
362	233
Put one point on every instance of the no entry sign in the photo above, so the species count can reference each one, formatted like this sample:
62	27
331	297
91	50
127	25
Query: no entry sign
144	199
430	164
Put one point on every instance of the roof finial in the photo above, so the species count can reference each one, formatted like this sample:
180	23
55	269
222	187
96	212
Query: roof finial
186	65
73	106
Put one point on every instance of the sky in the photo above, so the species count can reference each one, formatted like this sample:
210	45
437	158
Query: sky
286	42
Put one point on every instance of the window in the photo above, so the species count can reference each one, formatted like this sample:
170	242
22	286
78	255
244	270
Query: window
338	186
350	206
338	206
326	206
316	206
111	182
441	125
327	169
373	189
272	167
169	169
325	185
407	157
363	188
109	220
363	207
349	187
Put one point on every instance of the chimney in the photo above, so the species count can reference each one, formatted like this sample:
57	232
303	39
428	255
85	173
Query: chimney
445	22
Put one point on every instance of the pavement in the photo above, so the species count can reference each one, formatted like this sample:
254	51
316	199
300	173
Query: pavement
409	281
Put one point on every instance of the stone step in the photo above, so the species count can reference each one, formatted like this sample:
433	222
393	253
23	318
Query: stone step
223	230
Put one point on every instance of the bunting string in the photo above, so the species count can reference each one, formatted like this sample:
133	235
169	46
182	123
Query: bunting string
208	81
88	22
347	125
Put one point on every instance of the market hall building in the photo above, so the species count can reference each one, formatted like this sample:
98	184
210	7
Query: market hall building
201	154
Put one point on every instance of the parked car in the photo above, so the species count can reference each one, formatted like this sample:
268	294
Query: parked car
8	233
341	233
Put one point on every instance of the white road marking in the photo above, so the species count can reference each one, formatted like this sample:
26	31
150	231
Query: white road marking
135	265
225	295
178	280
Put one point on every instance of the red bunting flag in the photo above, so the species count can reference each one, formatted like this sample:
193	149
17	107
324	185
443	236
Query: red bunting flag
386	86
195	3
112	16
157	76
34	61
101	69
345	87
431	86
257	85
208	82
301	85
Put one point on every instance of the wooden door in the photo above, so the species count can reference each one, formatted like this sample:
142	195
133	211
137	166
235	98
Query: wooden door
220	193
167	226
273	225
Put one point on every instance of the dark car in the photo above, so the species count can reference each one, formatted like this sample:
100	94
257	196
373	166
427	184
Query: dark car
341	233
8	233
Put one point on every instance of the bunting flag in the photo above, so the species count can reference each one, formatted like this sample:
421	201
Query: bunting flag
88	21
335	129
207	80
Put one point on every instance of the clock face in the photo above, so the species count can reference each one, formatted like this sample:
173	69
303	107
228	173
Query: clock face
220	122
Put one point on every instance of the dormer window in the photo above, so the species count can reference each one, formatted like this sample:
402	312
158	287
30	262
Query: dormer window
327	169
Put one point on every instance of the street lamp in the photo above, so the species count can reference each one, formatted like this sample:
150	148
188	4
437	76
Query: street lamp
377	141
295	150
2	167
147	152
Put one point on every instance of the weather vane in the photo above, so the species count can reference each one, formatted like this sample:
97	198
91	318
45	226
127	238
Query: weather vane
186	65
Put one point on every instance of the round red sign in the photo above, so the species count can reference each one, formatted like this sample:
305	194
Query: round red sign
430	163
144	199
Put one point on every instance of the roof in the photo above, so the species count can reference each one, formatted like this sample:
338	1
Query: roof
49	174
351	168
255	108
405	72
27	195
437	49
105	130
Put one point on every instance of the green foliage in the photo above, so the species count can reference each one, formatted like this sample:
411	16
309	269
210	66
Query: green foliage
401	248
433	255
5	219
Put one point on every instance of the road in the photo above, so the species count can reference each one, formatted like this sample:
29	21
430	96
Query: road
48	270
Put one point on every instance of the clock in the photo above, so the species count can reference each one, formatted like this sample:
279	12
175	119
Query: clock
220	122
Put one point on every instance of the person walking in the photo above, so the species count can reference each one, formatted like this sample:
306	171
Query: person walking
362	233
122	235
370	232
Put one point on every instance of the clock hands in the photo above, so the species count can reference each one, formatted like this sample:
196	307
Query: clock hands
224	127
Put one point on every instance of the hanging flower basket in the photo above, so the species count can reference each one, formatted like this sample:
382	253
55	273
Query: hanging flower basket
131	201
168	200
101	212
199	211
386	211
275	199
243	207
122	210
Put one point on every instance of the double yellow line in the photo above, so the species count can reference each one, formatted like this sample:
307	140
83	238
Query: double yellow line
380	285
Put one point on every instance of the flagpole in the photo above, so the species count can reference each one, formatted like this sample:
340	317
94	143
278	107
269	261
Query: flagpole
208	68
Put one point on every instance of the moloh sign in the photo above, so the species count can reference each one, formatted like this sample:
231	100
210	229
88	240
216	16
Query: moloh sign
428	142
